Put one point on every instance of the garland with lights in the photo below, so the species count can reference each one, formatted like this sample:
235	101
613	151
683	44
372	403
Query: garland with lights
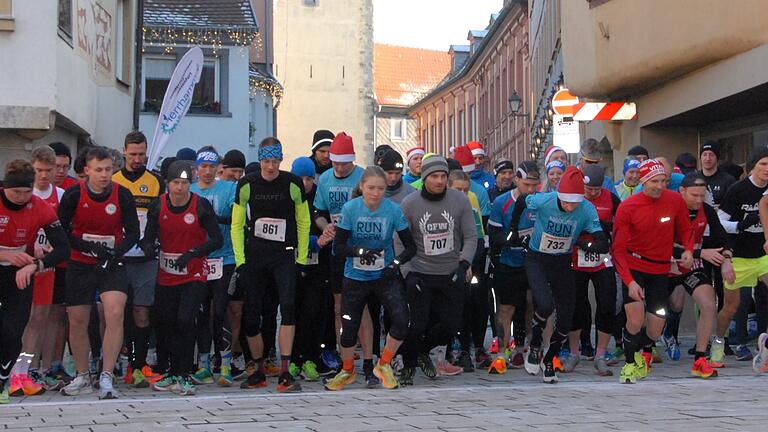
270	87
170	37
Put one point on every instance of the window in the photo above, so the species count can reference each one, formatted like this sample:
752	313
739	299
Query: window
472	131
123	41
311	2
398	129
432	145
452	132
65	18
157	74
424	138
441	143
462	128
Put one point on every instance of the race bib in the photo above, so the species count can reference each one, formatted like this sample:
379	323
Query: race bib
554	244
41	244
363	264
270	229
11	249
104	240
215	268
592	259
438	244
168	264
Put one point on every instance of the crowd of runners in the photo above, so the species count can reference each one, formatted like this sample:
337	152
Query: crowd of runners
217	272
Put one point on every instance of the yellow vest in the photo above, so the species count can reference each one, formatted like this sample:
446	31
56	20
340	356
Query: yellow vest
144	189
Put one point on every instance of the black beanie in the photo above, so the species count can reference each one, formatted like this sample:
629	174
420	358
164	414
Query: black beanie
390	160
61	149
380	151
453	164
234	159
686	162
322	138
179	169
755	158
712	146
638	150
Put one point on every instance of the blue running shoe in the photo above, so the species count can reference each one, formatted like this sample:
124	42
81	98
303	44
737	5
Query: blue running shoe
329	358
564	353
743	353
673	348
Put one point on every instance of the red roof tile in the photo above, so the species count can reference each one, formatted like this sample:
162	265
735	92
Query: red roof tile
402	75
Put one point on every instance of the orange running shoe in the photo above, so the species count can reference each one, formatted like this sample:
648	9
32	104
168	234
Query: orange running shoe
128	377
557	364
702	369
499	366
23	385
149	375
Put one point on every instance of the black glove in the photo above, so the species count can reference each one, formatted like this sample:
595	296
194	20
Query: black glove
391	271
586	246
513	239
183	260
751	219
100	251
460	274
369	255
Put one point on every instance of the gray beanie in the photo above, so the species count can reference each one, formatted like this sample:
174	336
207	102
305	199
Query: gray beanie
433	164
594	175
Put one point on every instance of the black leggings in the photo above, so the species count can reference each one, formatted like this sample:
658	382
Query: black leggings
435	305
553	289
311	313
356	295
604	282
282	267
177	308
215	303
15	306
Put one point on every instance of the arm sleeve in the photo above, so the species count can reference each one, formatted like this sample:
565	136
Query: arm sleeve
341	245
150	231
57	238
238	221
130	221
727	210
207	217
620	237
303	222
410	246
520	205
725	220
469	232
66	211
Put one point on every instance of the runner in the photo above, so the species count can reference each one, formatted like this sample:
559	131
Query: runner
597	269
100	217
560	219
510	281
555	170
213	325
273	205
62	178
644	230
760	362
695	281
186	229
591	154
446	241
627	186
739	214
639	152
364	237
22	216
685	163
234	165
504	171
321	146
413	159
718	181
479	175
141	269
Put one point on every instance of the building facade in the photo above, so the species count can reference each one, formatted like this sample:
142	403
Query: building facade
472	103
323	57
82	92
691	83
401	76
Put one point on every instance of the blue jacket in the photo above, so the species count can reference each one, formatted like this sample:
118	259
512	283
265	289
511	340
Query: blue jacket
486	179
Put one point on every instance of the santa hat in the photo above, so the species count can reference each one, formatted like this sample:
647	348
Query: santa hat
463	156
649	169
414	152
476	148
549	151
571	187
342	149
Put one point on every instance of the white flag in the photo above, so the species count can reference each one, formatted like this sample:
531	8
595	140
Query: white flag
176	101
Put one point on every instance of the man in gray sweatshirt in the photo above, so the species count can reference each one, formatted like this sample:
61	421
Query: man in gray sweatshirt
443	227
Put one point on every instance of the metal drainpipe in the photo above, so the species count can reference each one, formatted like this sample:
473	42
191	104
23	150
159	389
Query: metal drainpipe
137	88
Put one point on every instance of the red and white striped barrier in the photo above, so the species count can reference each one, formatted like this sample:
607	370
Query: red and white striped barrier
610	111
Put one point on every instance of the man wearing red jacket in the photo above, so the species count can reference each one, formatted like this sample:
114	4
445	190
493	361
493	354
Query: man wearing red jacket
644	232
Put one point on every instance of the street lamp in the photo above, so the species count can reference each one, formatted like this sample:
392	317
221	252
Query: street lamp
515	103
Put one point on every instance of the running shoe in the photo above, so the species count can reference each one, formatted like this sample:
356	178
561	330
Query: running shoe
673	348
202	376
557	364
329	358
270	368
655	356
426	365
533	361
286	384
563	353
518	360
238	368
444	368
341	379
702	369
465	362
630	373
760	362
601	367
80	385
255	380
643	362
498	366
494	348
309	371
386	375
168	384
23	385
250	368
62	374
717	356
482	359
225	376
294	370
617	355
106	390
137	379
4	398
570	363
370	379
323	369
150	375
743	353
186	387
406	376
728	350
51	383
550	376
587	352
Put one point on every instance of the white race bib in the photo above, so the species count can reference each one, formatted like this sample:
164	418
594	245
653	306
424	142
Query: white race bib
11	249
592	259
360	263
554	244
215	267
438	244
104	240
168	263
41	242
270	229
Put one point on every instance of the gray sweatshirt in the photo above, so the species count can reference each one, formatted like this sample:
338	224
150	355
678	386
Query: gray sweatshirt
444	231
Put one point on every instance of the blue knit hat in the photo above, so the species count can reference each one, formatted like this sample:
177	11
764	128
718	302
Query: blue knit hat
187	154
303	167
631	163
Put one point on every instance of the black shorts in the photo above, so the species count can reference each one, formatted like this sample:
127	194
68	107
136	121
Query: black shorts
690	281
510	284
655	289
60	286
84	283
